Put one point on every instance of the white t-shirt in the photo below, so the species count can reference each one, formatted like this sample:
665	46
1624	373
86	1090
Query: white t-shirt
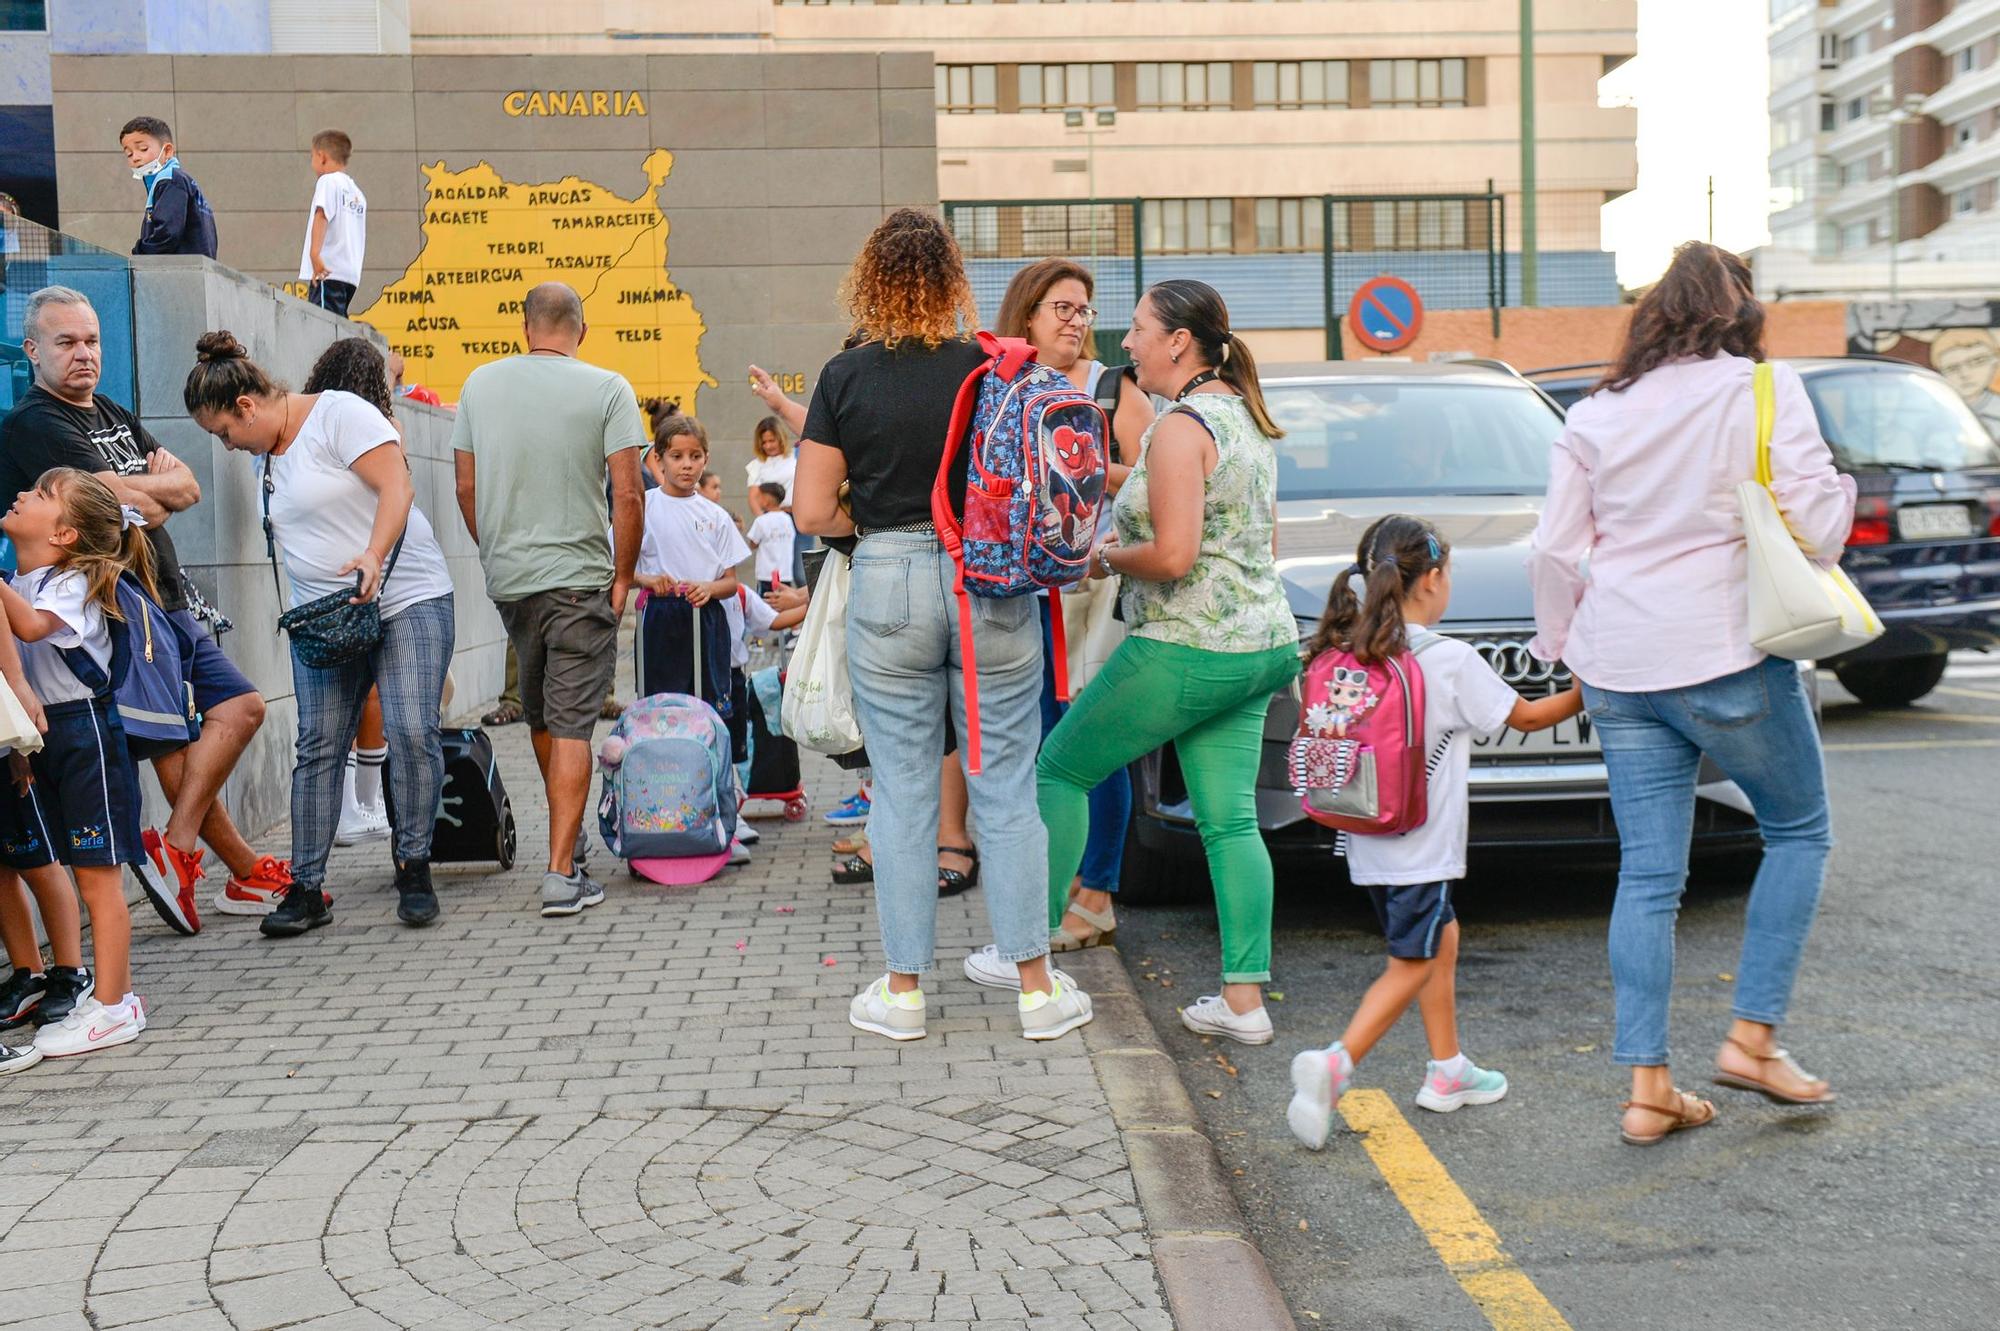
65	595
773	535
1464	696
324	513
748	613
346	237
773	471
688	539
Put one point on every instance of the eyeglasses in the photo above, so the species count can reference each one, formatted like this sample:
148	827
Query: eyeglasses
1065	311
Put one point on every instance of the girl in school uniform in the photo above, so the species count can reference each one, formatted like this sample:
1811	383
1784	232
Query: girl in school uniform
687	567
81	807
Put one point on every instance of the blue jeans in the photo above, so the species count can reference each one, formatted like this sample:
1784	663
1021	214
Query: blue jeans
1757	726
904	659
407	668
1110	799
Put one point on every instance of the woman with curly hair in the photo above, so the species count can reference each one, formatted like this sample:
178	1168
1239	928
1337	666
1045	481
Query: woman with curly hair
877	424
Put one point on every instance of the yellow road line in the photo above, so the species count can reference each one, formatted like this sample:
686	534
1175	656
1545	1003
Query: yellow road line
1960	691
1892	745
1467	1244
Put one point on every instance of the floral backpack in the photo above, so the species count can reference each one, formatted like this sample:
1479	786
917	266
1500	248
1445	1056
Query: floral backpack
1359	762
669	791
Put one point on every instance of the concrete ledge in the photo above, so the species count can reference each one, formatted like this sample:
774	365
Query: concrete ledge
1215	1279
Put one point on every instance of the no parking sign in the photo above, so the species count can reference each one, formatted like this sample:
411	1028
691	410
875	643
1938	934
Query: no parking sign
1386	314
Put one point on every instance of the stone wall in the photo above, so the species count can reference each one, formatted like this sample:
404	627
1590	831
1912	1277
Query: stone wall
221	540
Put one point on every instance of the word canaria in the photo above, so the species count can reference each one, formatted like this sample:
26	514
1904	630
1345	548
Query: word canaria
600	102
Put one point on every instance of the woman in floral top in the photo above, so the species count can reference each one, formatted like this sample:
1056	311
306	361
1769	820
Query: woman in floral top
1211	635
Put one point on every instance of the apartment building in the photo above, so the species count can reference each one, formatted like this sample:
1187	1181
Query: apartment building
1885	148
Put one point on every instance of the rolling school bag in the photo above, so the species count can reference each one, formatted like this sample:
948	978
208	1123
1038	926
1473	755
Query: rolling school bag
1359	762
1032	445
474	822
151	676
668	803
774	756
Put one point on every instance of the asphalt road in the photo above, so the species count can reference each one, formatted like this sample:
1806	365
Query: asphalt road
1877	1214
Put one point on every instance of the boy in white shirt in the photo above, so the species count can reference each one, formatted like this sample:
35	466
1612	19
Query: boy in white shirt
773	535
337	236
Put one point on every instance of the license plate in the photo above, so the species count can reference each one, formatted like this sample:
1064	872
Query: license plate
1931	522
1575	738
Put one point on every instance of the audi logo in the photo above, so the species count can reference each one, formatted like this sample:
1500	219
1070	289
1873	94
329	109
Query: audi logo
1514	663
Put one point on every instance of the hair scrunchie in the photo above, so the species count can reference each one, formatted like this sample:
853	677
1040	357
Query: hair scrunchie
130	517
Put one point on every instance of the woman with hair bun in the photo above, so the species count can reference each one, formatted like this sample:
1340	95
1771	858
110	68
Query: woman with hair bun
342	505
1211	634
876	428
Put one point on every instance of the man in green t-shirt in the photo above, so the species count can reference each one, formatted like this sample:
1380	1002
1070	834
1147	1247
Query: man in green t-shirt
534	439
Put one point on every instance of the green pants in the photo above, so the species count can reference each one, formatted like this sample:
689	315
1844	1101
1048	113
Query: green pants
1211	705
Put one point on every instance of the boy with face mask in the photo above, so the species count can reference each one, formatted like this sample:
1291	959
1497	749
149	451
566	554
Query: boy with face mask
178	220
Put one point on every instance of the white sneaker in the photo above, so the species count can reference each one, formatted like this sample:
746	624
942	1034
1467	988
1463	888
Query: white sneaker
898	1016
1212	1016
985	967
358	825
1319	1079
746	833
92	1027
1052	1015
1444	1092
737	854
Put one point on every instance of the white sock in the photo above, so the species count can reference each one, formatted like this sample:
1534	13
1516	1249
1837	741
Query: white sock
368	777
349	808
1455	1066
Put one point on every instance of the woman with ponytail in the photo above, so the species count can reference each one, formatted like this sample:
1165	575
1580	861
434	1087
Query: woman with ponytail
1211	634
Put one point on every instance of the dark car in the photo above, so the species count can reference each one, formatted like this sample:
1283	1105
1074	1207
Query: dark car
1925	549
1466	445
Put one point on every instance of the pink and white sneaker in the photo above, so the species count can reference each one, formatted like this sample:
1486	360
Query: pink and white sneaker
93	1026
1319	1079
1444	1091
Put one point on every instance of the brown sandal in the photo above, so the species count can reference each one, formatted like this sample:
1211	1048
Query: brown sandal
1680	1119
1770	1090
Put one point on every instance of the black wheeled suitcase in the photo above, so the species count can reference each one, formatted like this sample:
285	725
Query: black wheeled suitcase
475	820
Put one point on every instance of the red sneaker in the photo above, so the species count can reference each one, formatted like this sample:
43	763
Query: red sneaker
259	894
169	876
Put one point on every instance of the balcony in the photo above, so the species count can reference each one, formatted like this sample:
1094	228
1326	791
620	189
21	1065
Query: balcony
1968	166
1967	92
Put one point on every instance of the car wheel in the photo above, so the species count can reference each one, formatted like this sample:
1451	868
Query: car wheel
1152	877
1895	683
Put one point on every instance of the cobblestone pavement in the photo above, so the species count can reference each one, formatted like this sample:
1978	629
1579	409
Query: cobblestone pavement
652	1115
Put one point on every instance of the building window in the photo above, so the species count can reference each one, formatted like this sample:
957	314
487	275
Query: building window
1829	115
1963	135
1966	61
1419	224
1857	107
967	89
1857	45
1965	201
1174	86
978	231
23	15
1298	85
1856	236
1055	87
1190	226
1064	228
1407	83
1286	225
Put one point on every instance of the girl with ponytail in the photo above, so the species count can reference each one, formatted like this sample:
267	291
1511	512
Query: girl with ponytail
1211	634
73	539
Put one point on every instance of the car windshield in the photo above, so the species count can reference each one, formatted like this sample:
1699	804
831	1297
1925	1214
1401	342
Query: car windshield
1376	438
1891	419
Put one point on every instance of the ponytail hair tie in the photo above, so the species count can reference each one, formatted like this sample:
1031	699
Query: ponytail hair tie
130	517
1225	347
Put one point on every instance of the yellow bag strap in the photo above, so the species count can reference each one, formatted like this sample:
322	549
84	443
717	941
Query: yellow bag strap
1766	391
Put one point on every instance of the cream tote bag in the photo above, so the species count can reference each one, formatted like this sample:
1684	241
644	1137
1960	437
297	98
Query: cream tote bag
1091	628
17	732
819	701
1798	610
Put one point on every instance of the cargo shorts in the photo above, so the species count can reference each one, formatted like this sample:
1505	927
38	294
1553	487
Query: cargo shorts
566	642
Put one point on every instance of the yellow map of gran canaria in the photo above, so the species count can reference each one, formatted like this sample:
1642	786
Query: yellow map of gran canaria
488	240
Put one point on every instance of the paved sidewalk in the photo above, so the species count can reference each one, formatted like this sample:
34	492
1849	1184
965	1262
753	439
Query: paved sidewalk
652	1115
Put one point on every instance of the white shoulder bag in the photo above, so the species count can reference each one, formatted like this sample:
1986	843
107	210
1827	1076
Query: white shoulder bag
819	702
1798	610
17	732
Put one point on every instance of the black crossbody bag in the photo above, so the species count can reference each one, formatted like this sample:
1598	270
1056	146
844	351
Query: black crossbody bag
332	630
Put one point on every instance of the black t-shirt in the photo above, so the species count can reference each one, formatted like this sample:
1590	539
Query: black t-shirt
887	412
44	431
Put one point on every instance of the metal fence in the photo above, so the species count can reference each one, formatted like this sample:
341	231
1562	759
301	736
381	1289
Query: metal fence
1291	263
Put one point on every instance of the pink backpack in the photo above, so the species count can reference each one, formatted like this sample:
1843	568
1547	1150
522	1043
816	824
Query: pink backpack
1359	762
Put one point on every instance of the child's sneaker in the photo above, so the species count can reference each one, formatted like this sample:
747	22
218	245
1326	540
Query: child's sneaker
1212	1015
92	1027
898	1016
1319	1079
20	994
67	987
1054	1014
852	810
259	894
18	1058
1471	1084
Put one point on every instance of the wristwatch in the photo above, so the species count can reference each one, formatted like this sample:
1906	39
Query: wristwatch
1104	561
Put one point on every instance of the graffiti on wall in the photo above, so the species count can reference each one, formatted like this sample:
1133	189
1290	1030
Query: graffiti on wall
1960	339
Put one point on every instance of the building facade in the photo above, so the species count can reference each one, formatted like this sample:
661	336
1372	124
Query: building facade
1885	149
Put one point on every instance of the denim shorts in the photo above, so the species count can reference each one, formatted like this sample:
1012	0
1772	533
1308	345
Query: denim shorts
215	677
1413	918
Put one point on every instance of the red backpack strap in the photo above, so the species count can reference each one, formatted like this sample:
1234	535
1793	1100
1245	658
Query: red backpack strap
1058	646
